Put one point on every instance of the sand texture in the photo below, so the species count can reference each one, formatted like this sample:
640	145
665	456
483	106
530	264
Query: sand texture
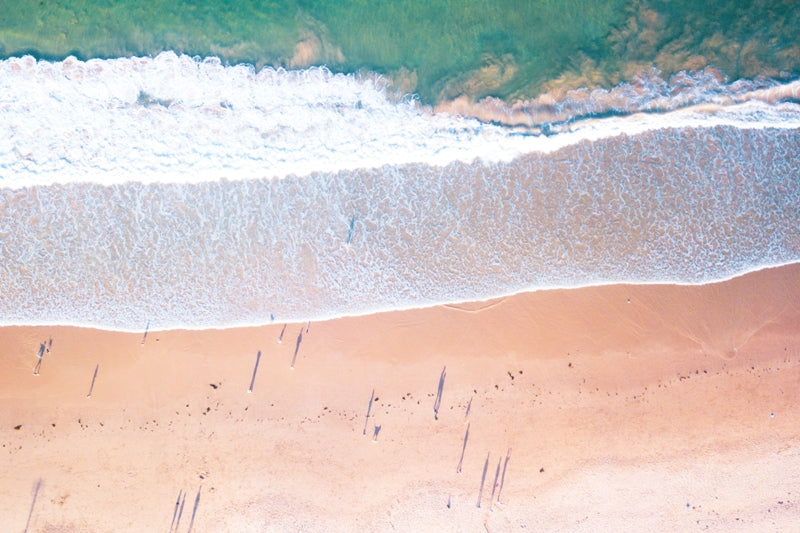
618	408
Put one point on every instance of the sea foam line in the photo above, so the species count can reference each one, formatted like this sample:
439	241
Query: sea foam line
178	119
451	304
647	92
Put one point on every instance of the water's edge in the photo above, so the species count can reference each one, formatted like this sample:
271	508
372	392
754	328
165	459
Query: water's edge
149	327
688	205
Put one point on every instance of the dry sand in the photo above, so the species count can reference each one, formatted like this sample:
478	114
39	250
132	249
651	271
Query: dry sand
624	407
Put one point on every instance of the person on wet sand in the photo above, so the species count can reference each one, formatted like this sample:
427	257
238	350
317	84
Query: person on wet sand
40	355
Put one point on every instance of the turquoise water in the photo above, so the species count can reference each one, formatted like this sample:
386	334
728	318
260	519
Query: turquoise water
435	48
186	192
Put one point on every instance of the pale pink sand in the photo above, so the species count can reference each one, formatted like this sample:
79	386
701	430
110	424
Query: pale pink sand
625	407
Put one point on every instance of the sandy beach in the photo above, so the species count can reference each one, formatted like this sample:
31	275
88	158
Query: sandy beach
620	407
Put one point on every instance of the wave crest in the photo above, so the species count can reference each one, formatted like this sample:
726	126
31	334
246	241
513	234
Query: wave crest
180	119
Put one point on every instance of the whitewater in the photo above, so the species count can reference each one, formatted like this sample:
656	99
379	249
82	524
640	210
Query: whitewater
180	119
189	194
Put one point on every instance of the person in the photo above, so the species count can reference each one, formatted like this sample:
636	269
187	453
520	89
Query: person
40	355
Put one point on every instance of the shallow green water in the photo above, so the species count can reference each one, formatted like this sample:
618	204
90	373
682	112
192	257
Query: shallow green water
436	48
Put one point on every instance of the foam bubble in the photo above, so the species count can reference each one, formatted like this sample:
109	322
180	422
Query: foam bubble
673	205
339	200
179	119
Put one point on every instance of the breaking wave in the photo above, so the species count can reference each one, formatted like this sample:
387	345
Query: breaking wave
191	194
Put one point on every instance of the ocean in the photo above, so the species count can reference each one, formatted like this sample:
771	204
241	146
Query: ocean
187	191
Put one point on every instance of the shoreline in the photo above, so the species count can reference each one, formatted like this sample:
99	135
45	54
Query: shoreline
598	400
459	305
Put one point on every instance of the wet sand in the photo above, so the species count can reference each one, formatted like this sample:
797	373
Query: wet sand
633	407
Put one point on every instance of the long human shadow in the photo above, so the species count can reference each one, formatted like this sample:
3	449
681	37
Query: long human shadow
463	449
180	512
94	377
146	329
33	503
438	401
255	369
483	480
175	511
369	408
494	485
297	347
194	510
503	477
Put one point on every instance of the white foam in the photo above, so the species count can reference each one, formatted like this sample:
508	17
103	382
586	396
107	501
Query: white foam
177	119
132	326
686	206
710	193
